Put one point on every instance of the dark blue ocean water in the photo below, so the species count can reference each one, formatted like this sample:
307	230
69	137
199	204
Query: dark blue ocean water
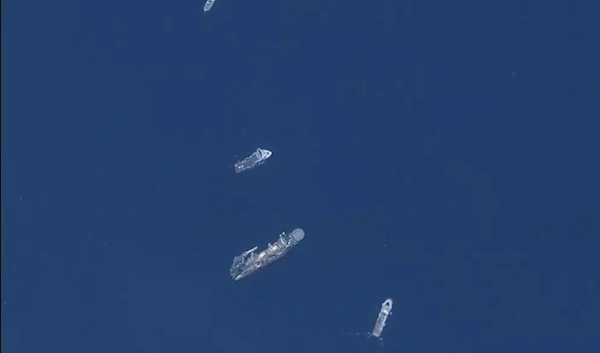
444	154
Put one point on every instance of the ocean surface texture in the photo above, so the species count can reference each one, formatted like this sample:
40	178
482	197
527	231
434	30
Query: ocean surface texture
444	154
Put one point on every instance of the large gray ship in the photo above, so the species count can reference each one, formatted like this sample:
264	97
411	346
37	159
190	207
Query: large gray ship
250	261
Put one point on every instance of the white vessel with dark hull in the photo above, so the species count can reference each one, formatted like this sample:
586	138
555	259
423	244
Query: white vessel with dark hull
250	261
